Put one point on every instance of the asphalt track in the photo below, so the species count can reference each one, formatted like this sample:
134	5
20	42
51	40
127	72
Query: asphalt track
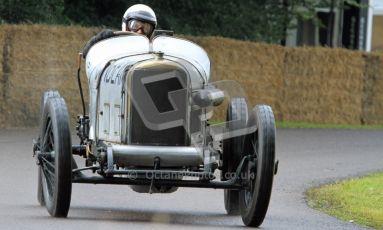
308	157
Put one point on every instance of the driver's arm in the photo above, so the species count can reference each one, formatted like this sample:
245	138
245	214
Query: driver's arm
96	38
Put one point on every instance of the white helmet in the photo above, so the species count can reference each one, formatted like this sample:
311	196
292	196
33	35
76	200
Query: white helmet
139	12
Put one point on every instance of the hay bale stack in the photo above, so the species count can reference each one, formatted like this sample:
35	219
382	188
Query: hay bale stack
3	110
318	85
43	57
372	110
322	85
257	67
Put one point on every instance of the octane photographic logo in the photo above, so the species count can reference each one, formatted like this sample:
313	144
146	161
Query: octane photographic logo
148	107
169	110
132	175
243	176
175	176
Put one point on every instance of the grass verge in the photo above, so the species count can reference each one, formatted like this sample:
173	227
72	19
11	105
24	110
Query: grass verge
308	125
358	200
289	124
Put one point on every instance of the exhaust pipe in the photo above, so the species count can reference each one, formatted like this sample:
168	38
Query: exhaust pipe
170	156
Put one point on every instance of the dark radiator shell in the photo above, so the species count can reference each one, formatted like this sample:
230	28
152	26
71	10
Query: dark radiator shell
140	134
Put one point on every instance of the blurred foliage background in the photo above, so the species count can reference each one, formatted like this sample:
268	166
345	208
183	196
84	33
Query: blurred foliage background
255	20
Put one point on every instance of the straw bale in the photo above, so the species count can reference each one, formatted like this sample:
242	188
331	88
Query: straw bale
322	85
301	84
257	67
2	102
43	57
5	73
373	90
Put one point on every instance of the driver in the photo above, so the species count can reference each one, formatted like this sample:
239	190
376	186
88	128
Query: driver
138	18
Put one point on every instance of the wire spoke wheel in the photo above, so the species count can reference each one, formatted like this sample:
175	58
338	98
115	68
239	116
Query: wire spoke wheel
44	98
48	159
55	171
236	118
259	170
250	171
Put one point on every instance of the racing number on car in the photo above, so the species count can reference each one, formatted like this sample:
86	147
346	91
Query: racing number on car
113	79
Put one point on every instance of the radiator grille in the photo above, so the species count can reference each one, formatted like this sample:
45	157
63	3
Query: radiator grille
169	80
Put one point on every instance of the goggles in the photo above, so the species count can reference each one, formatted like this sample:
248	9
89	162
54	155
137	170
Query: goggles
134	25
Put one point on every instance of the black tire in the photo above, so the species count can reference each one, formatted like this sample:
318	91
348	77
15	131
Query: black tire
44	98
55	157
40	196
254	200
232	151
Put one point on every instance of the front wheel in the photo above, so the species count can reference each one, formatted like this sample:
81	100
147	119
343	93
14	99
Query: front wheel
236	118
44	98
259	170
55	157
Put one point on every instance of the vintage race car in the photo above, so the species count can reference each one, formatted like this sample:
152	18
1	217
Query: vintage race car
156	122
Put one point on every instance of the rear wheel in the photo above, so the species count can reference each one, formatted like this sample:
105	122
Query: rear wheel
259	170
55	157
236	118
